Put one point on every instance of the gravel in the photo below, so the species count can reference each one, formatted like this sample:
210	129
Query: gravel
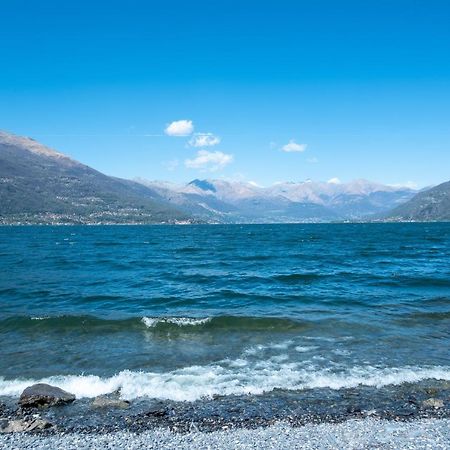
353	434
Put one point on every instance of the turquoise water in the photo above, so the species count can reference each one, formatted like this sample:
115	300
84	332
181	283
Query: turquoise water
187	312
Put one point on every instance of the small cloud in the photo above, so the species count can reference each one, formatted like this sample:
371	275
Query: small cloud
334	181
204	140
292	146
171	165
312	160
408	184
209	161
179	128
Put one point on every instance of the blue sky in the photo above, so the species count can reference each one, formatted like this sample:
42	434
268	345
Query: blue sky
365	86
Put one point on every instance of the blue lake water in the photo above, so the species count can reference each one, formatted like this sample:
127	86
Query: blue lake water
187	312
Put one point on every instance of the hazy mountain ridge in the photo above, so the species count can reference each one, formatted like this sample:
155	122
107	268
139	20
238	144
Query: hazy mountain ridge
39	185
308	201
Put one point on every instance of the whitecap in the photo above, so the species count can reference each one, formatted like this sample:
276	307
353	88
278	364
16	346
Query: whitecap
305	349
152	322
284	345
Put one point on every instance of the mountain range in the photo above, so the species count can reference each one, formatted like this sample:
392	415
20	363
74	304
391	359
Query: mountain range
41	185
307	201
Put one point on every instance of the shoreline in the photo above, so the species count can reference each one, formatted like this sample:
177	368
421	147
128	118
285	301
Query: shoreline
111	413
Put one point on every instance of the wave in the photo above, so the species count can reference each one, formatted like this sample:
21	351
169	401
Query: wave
427	315
410	281
235	378
155	324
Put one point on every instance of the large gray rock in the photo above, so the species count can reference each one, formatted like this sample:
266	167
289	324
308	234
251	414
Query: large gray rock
42	394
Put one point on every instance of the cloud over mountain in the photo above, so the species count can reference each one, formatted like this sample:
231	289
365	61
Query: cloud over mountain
209	161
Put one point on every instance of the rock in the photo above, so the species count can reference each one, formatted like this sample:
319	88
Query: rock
431	391
156	413
3	424
44	395
106	402
433	403
20	426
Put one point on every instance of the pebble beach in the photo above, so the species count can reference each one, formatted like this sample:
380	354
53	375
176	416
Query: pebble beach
352	434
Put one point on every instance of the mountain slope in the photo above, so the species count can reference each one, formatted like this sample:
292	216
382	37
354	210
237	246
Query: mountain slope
39	185
430	205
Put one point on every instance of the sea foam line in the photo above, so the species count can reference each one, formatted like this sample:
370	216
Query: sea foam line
195	382
152	322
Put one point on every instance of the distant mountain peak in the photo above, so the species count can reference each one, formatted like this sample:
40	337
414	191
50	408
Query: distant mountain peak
204	185
27	143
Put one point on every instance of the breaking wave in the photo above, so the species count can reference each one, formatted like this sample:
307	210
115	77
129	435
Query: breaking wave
152	322
235	378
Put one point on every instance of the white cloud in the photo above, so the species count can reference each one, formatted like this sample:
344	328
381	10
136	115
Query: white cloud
292	146
179	128
408	184
334	181
204	140
209	161
313	160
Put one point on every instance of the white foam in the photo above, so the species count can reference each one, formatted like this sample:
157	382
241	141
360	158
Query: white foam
377	377
281	345
305	349
151	322
279	358
195	382
341	352
254	350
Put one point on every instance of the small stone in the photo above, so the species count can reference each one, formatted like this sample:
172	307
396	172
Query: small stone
431	391
42	394
38	424
105	402
433	403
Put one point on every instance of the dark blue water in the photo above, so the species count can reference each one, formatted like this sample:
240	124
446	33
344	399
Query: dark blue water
183	312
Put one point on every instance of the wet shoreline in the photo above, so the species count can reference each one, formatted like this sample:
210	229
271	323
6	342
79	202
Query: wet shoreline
405	403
